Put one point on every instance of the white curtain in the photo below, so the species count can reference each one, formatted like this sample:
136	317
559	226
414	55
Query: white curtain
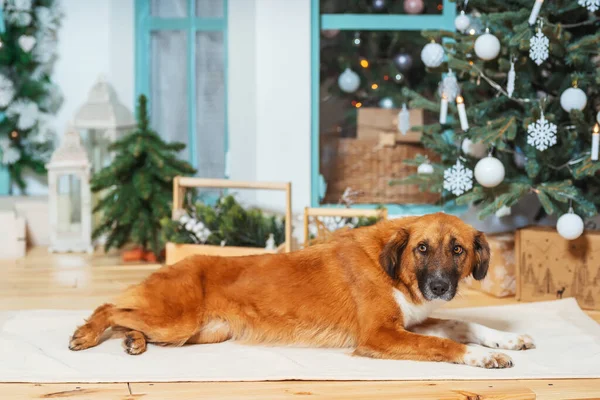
169	86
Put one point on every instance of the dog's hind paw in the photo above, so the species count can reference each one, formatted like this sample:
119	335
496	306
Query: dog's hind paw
479	357
134	343
83	338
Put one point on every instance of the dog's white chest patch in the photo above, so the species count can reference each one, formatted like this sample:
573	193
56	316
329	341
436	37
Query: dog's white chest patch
415	313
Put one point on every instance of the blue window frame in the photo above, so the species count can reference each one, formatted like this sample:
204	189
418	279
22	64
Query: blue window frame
4	174
362	22
196	30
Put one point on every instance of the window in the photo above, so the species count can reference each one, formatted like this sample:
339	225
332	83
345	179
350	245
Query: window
181	65
364	39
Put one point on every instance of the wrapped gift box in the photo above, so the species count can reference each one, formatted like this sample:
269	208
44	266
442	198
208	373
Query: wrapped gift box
550	267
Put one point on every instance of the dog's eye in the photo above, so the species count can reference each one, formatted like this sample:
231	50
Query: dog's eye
422	248
458	250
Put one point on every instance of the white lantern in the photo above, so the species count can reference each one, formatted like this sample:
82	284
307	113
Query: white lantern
69	197
101	120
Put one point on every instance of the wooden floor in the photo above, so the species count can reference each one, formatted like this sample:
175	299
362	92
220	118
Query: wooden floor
83	282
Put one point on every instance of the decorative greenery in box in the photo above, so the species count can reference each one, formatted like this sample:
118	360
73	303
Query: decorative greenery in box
227	223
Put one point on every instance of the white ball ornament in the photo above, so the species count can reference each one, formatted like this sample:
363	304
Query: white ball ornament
573	99
477	149
425	169
487	46
570	225
349	81
432	55
489	172
462	22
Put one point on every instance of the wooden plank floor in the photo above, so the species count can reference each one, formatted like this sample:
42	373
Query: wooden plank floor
83	282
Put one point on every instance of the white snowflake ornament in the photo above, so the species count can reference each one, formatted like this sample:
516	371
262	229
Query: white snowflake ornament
538	47
541	134
458	179
592	5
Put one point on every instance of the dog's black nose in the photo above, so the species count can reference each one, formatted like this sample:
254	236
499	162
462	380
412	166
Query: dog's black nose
439	287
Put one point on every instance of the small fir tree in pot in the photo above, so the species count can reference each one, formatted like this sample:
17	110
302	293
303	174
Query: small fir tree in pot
138	188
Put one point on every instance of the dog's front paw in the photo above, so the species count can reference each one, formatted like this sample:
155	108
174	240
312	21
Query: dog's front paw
480	357
510	341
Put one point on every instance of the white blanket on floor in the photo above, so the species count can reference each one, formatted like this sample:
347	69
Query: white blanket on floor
33	348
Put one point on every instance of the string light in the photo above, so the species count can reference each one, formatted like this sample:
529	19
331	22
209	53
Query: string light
358	105
386	77
364	63
14	134
374	86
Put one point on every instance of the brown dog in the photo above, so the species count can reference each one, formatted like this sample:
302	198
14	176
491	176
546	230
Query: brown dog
369	288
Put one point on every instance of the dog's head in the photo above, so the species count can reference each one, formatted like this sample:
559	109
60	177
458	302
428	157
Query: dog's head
433	253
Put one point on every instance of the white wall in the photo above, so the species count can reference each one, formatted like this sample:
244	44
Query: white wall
283	97
269	83
242	93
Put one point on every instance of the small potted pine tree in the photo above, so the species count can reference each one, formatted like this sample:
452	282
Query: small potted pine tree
137	190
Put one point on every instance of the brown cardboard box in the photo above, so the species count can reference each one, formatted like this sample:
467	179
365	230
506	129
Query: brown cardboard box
373	121
500	279
550	267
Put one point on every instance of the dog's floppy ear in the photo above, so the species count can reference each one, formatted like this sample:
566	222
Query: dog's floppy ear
392	252
482	256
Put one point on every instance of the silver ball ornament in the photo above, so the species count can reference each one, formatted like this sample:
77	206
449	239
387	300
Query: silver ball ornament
349	81
414	6
432	55
462	22
378	5
386	102
330	33
403	62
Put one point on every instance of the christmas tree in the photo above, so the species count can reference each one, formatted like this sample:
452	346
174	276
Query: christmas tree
518	108
138	187
28	98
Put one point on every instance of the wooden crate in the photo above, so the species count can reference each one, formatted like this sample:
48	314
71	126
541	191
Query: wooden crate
176	252
373	121
550	267
367	167
316	212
